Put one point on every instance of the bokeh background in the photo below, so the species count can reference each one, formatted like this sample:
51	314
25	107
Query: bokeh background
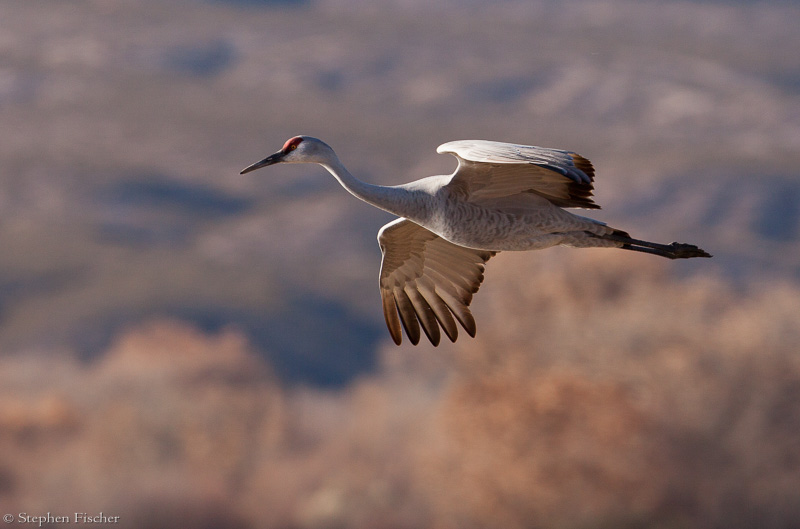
183	346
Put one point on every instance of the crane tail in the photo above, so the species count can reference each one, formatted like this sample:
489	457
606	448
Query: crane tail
675	250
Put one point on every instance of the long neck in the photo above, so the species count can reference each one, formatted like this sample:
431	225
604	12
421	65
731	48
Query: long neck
397	200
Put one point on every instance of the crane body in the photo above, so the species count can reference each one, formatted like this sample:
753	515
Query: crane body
502	197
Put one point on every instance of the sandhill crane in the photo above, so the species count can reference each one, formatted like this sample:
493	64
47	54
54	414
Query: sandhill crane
501	197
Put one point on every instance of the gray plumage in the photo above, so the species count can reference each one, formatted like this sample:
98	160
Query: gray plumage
501	197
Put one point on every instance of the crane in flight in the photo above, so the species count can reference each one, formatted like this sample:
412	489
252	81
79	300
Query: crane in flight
502	197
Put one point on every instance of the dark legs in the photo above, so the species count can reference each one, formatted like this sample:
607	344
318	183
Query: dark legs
676	250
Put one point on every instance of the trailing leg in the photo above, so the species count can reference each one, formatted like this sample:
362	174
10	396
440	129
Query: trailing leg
676	250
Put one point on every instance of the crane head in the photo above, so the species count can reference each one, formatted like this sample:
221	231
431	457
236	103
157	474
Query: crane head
299	149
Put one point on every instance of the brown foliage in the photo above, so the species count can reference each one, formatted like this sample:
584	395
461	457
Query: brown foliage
168	412
605	391
549	451
599	392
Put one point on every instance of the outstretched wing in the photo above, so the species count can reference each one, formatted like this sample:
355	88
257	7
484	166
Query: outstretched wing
425	281
490	170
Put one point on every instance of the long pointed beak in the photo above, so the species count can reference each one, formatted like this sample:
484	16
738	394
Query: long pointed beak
269	160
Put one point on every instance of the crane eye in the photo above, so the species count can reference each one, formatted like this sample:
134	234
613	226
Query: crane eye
293	146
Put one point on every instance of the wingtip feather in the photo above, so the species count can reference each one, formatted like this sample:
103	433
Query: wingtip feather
391	317
425	314
408	316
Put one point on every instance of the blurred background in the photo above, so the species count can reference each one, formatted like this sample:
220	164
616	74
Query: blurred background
184	346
